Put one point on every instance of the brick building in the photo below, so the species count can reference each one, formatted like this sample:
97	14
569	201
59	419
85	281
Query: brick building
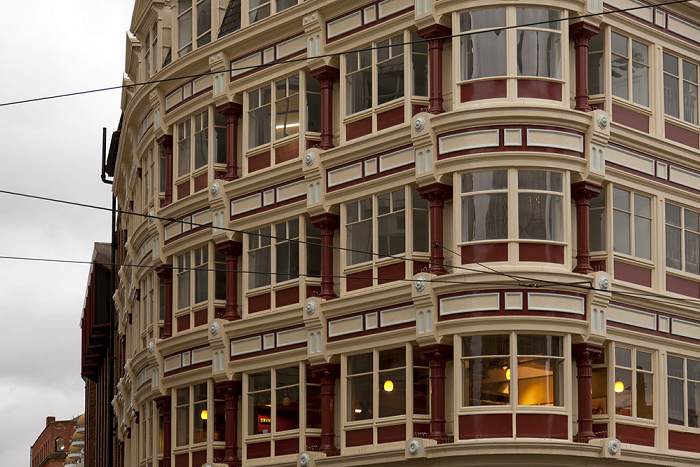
50	448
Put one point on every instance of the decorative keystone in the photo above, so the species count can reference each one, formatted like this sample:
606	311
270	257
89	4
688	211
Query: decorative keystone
214	328
419	124
420	283
309	159
613	446
413	447
304	460
310	308
215	188
604	282
602	122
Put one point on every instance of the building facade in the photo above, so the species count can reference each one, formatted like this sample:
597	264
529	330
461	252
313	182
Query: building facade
54	442
378	231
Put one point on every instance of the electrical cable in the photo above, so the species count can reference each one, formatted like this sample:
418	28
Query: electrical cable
339	54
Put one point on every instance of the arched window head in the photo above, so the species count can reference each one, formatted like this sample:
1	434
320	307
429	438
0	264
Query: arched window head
60	444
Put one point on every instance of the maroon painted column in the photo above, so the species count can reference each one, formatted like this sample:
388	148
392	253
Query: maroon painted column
327	373
584	354
166	273
436	194
232	112
231	391
582	193
166	141
581	33
163	403
326	75
435	35
437	355
232	250
327	222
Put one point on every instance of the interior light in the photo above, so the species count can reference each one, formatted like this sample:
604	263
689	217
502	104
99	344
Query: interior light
288	125
508	374
388	385
204	414
619	386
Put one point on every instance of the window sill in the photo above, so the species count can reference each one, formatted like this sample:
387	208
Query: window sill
631	106
629	420
361	115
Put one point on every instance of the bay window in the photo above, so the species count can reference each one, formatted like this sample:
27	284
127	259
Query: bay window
680	88
486	200
278	248
379	224
632	223
634	383
683	391
194	18
628	55
503	369
490	47
682	239
377	384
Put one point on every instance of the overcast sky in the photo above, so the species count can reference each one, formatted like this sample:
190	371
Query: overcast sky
51	148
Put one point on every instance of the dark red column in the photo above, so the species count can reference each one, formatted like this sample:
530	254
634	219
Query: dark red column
232	250
166	141
327	373
327	222
437	355
581	33
231	391
436	194
326	75
582	193
231	111
584	354
166	273
163	403
435	35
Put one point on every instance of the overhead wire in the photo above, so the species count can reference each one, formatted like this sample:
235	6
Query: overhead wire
334	54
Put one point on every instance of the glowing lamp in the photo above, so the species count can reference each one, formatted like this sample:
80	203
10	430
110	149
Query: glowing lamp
204	414
619	386
388	385
508	374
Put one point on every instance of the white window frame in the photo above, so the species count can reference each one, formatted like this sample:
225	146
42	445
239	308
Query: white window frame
633	388
187	20
684	79
633	214
634	94
684	397
267	8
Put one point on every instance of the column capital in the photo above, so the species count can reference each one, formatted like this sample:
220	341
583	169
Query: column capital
586	350
325	371
165	271
162	402
165	140
326	221
585	190
230	248
582	31
325	73
438	353
230	108
435	192
435	31
228	387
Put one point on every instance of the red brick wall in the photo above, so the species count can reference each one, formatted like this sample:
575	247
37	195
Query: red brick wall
44	452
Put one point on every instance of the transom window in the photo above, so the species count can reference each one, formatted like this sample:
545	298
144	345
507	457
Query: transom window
534	45
680	88
634	383
379	224
486	198
683	391
628	54
632	223
495	375
682	239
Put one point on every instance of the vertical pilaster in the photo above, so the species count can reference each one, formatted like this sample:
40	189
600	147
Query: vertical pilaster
232	250
584	354
436	194
326	75
166	273
231	391
437	355
166	141
232	112
581	33
582	193
327	222
163	403
327	373
435	35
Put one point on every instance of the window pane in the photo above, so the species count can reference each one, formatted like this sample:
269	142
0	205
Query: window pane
676	409
359	242
394	358
540	381
392	392
485	181
596	64
199	397
361	363
421	391
485	217
486	380
313	406
537	17
642	237
474	346
673	247
390	77
597	222
645	395
692	253
600	391
539	54
623	357
483	55
621	230
540	180
540	216
643	361
260	418
284	4
671	97
392	234
360	397
540	345
203	18
288	409
693	405
623	391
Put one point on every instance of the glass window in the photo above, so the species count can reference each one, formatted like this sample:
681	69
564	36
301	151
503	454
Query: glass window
201	139
261	9
201	274
483	51
540	205
540	370
683	391
596	64
628	54
358	81
287	107
200	414
600	385
313	104
419	61
486	370
390	69
359	230
485	205
184	27
259	116
182	417
183	280
634	389
682	239
201	13
680	88
632	223
183	148
538	39
273	400
220	138
597	222
259	248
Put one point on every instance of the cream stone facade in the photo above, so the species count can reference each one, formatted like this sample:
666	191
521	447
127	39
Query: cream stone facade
391	230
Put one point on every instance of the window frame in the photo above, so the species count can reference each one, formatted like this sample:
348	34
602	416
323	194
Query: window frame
409	367
187	20
634	371
410	197
274	8
628	59
682	80
191	407
684	380
632	215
